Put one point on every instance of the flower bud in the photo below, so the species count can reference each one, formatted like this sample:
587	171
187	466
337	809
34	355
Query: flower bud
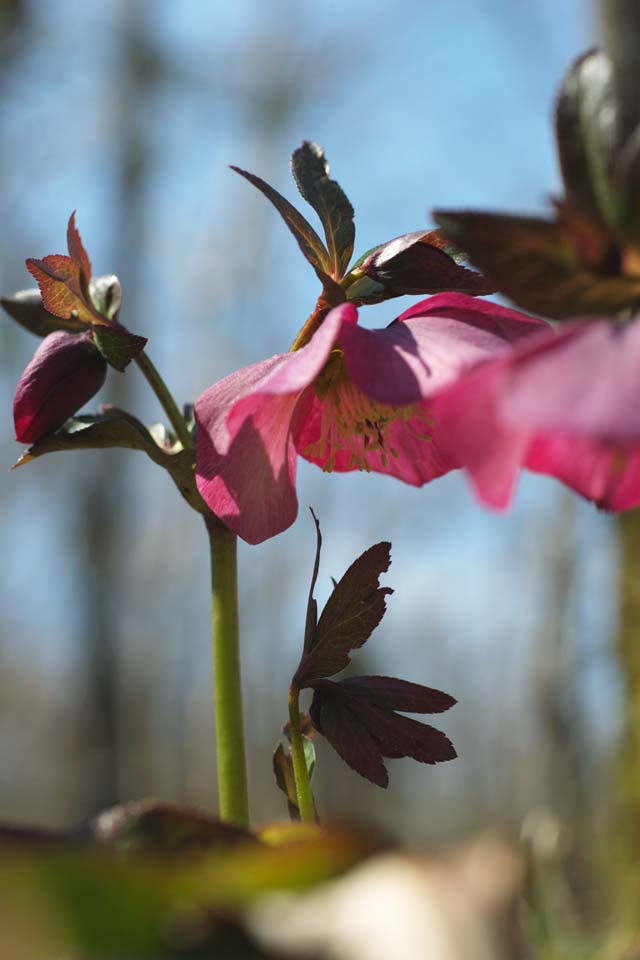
66	370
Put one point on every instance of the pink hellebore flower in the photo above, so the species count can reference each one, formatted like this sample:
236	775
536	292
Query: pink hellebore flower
351	399
565	404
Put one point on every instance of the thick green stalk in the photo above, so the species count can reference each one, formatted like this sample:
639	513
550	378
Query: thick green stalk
304	795
163	394
232	775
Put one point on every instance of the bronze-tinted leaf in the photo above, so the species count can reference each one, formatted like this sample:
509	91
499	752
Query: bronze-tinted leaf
59	280
536	263
352	612
310	170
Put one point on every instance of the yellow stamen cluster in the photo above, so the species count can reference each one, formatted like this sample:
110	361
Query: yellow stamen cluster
354	423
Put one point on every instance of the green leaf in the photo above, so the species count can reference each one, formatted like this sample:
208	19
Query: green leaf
308	240
536	263
117	345
27	309
350	615
283	763
116	428
586	133
311	172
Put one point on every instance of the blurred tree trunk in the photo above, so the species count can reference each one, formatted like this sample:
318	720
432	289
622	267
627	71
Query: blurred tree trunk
104	511
628	648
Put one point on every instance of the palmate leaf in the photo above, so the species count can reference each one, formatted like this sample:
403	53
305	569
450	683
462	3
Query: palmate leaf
357	716
310	170
351	614
536	263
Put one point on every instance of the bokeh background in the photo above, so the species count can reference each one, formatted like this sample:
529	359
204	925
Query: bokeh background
130	112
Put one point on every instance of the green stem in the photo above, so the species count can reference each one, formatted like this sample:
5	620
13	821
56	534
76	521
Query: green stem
232	775
311	324
306	805
163	394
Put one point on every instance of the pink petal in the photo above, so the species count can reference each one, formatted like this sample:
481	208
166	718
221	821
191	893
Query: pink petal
245	460
437	339
507	324
411	453
467	421
247	477
607	474
582	381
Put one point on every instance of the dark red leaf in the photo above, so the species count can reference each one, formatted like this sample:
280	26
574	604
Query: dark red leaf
357	727
399	736
414	264
352	612
347	735
393	694
537	263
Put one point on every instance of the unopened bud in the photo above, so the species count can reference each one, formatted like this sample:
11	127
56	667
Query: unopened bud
66	370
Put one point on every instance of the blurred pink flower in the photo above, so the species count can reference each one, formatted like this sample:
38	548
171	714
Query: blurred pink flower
65	371
565	404
351	399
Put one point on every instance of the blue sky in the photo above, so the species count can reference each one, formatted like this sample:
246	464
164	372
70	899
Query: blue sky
418	105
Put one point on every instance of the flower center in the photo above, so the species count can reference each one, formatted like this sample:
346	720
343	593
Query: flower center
354	432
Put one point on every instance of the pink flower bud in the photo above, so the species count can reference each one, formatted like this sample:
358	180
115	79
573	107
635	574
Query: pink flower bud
66	370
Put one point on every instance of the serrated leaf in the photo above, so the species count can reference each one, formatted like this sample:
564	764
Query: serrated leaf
391	693
308	240
27	309
311	172
117	345
358	719
348	736
536	263
413	264
58	277
350	615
